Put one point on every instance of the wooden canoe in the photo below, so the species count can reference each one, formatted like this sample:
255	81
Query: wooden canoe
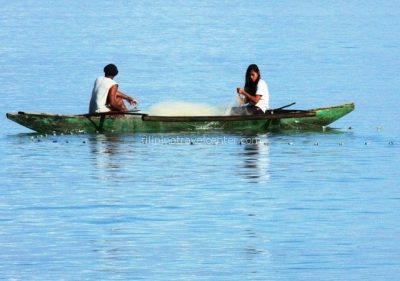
114	122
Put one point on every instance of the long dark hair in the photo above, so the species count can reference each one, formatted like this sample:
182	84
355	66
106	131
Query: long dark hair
250	86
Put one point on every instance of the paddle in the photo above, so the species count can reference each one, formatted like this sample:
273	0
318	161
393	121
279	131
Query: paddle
103	116
285	106
271	111
131	112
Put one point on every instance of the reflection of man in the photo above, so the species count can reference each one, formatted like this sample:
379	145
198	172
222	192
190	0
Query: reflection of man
105	94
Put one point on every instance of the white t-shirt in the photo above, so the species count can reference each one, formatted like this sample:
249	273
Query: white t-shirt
262	90
99	94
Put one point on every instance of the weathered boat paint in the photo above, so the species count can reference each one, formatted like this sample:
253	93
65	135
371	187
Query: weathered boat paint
143	123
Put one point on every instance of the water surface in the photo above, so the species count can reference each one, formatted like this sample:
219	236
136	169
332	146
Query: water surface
291	206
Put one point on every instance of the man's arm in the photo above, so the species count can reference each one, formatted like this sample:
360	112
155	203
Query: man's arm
115	103
116	99
131	100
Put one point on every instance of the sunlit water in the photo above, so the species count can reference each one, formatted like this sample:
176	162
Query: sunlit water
275	206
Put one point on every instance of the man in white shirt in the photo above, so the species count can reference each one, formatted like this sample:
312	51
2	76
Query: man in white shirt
105	94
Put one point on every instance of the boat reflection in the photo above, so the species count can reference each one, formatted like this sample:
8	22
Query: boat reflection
105	144
255	156
105	155
256	171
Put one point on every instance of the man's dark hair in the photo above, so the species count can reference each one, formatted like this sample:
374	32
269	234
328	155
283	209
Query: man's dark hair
110	70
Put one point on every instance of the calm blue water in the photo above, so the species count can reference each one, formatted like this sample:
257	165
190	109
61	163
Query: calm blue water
294	206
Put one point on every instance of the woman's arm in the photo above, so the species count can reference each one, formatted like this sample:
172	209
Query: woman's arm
253	99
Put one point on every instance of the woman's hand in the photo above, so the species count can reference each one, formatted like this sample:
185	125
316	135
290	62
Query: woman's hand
248	97
240	91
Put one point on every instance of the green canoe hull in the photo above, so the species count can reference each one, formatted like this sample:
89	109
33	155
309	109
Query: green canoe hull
143	123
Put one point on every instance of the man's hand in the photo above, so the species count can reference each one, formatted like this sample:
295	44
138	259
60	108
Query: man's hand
132	101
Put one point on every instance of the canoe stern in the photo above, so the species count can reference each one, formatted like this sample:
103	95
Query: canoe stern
324	116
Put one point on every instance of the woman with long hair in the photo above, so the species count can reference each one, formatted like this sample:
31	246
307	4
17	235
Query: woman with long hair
255	92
